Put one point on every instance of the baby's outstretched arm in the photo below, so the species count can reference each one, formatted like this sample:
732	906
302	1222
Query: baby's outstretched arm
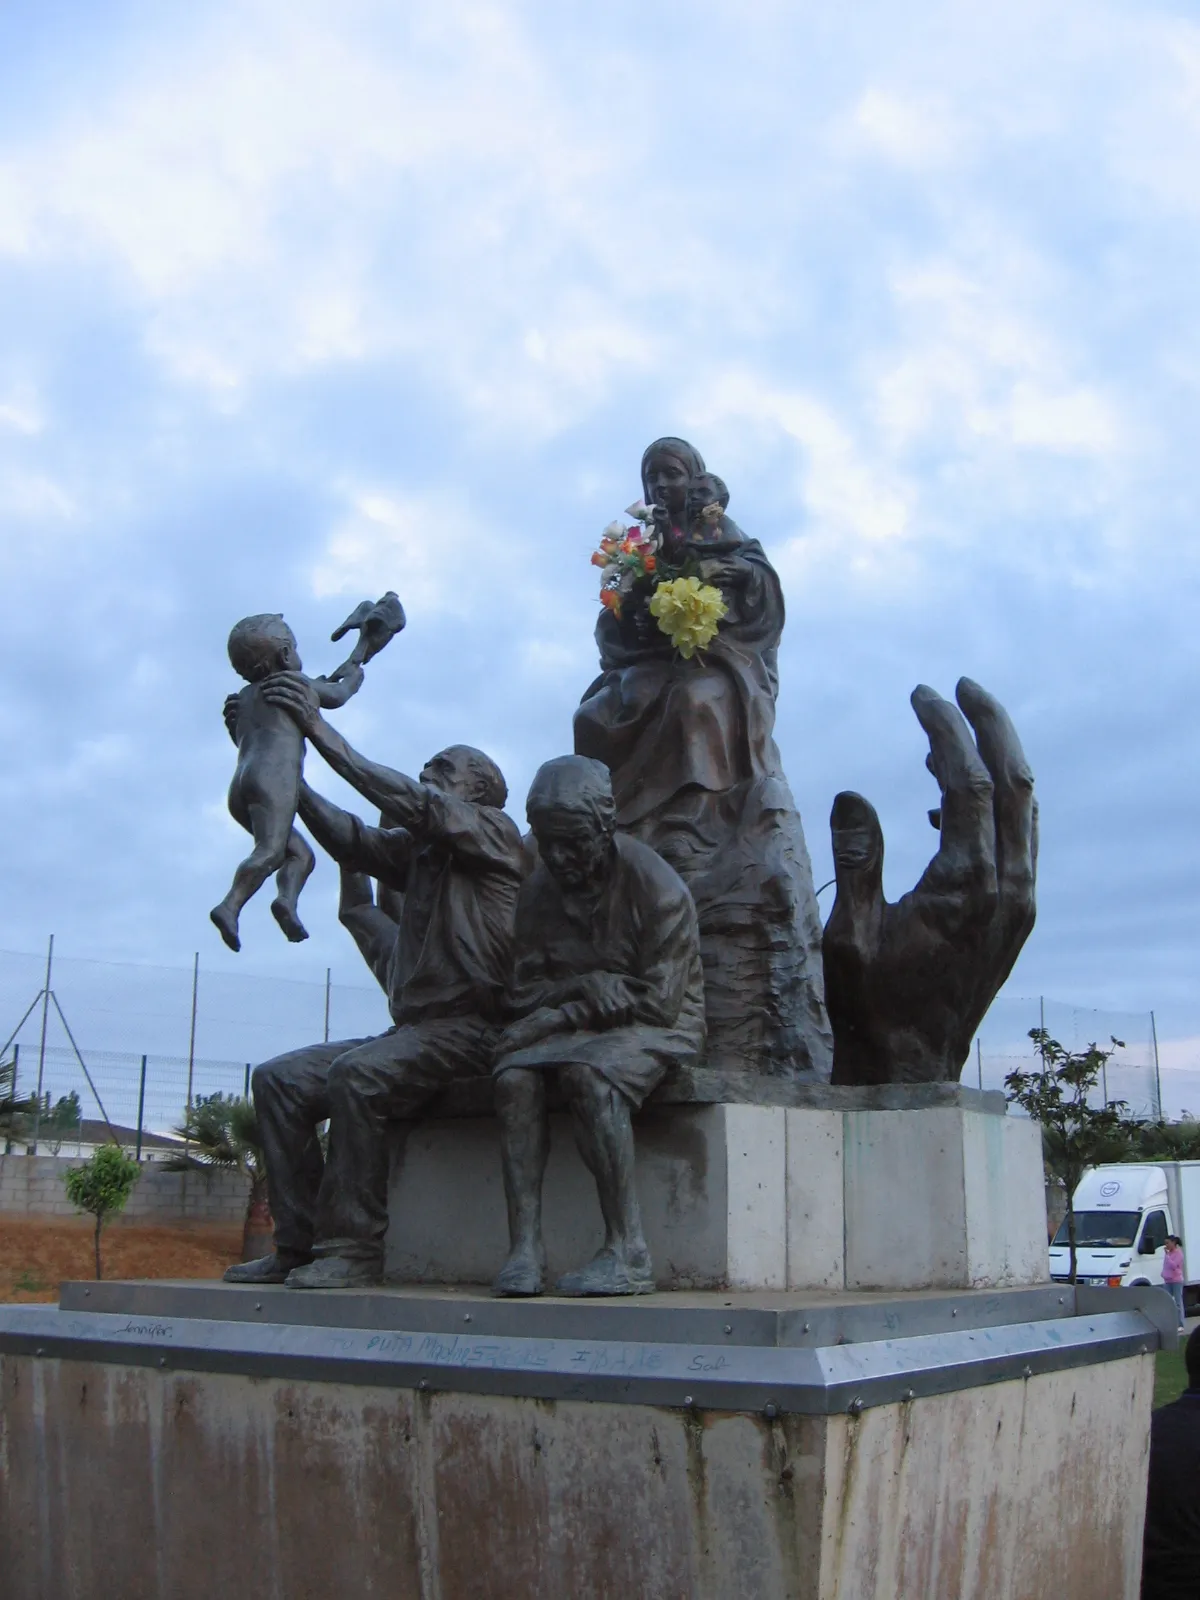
335	691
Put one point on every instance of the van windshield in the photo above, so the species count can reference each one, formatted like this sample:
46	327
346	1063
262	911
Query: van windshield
1115	1228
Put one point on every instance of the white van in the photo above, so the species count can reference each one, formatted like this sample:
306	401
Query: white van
1123	1214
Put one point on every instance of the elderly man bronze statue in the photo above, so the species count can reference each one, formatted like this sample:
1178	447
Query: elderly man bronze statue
907	984
444	955
609	995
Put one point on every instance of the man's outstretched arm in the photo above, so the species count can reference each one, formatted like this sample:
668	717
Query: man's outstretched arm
379	852
400	796
330	826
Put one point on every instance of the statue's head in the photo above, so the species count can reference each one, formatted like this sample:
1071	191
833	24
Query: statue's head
261	645
857	839
669	468
573	817
466	773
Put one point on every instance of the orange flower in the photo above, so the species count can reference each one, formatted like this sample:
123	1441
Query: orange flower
650	563
599	559
612	600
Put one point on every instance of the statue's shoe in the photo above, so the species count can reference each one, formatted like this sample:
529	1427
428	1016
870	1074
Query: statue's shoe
267	1269
336	1272
608	1273
523	1275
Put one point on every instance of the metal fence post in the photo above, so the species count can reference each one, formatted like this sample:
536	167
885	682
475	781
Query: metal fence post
979	1058
141	1110
31	1148
328	977
1157	1076
192	1029
16	1063
246	1083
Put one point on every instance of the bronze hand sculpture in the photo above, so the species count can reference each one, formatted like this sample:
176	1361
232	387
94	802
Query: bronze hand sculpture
907	984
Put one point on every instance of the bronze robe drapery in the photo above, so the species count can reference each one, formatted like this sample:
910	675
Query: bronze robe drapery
696	774
644	933
663	725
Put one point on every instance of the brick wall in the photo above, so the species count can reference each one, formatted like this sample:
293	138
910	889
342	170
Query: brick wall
32	1186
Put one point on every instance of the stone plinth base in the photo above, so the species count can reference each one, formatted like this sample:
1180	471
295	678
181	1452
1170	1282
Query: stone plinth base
491	1452
890	1189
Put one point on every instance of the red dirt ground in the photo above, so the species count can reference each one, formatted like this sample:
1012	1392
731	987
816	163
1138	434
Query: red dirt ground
35	1255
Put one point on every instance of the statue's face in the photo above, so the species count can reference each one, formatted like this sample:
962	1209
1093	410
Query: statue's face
574	847
451	772
667	483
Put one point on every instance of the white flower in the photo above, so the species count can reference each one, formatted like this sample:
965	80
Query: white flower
615	530
641	511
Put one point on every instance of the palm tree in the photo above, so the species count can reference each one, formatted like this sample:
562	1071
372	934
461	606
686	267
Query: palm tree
14	1113
221	1134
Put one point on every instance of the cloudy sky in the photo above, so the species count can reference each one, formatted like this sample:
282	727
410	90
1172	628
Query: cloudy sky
303	301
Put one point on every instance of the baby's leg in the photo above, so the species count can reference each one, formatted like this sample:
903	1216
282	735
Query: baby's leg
270	824
293	875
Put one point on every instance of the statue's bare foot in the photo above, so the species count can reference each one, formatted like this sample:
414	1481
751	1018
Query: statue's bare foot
227	925
524	1274
609	1273
285	916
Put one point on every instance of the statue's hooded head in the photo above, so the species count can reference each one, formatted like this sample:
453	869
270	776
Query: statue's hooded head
857	846
669	468
573	817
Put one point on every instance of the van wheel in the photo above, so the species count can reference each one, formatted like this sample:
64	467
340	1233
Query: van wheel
1140	1283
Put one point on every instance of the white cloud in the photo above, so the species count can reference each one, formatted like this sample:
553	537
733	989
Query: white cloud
32	496
388	543
21	412
977	356
905	131
429	549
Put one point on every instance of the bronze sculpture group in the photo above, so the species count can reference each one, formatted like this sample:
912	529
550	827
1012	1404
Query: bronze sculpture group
660	911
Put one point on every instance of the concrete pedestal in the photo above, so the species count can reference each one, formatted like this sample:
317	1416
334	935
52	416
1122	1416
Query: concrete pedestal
891	1189
169	1442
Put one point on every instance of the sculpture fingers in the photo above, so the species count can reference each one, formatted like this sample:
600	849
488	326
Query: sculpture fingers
1014	806
967	848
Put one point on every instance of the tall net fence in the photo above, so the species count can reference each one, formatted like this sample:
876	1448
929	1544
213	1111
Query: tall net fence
102	1017
1132	1075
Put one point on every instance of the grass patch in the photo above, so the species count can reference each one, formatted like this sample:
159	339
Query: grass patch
1170	1376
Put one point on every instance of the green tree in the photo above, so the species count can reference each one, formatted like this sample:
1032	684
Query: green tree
1166	1141
222	1134
1076	1135
102	1185
63	1122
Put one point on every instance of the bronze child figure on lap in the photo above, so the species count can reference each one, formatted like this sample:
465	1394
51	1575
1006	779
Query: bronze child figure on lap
266	781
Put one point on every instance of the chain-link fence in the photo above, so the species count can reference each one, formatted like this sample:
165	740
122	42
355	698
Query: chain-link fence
200	1031
135	1041
1132	1074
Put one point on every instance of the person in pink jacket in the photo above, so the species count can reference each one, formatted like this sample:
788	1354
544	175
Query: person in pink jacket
1173	1272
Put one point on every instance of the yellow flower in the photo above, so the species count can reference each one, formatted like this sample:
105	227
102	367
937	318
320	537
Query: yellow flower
688	612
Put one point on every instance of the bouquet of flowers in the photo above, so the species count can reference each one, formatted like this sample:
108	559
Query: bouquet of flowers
627	556
630	559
